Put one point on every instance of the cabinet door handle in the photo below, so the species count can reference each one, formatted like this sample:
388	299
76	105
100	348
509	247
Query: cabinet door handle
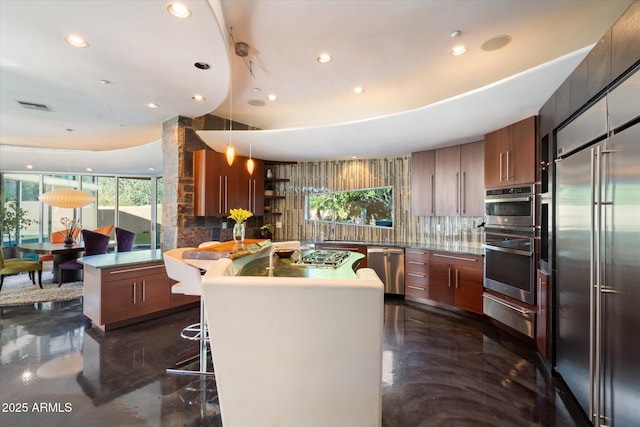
464	192
226	194
134	292
416	287
457	192
415	262
500	166
220	194
144	291
449	277
433	195
457	279
508	167
422	276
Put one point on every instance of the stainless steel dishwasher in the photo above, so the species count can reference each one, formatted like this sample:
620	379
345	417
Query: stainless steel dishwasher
388	263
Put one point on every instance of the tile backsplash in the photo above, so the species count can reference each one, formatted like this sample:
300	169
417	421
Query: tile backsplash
316	177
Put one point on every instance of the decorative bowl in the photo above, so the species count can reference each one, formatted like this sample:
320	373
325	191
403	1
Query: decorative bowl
285	253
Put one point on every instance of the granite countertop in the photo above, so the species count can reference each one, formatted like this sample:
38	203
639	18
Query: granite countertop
122	259
451	247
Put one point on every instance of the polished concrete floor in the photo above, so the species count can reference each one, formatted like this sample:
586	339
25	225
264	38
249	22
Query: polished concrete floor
439	369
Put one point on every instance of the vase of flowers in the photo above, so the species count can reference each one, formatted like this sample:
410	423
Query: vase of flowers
266	231
239	216
71	226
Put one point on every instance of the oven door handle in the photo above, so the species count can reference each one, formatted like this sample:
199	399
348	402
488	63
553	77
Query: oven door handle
510	251
508	199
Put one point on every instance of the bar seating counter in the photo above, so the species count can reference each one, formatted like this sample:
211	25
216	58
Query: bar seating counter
128	287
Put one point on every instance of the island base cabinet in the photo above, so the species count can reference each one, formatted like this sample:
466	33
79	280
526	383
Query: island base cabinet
118	296
456	280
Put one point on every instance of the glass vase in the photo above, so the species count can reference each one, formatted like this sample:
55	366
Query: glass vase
68	241
238	232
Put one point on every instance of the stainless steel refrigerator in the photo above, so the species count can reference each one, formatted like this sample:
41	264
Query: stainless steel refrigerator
598	257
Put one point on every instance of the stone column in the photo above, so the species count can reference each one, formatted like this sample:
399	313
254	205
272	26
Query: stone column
180	228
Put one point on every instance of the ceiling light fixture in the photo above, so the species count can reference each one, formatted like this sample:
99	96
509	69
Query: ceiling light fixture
202	65
231	152
250	163
76	41
151	105
358	89
179	10
67	197
324	58
458	50
272	97
29	166
198	98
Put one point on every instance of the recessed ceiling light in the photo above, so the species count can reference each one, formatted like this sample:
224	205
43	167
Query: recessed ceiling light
76	41
69	130
458	50
179	10
152	169
105	82
272	97
198	98
151	105
88	169
323	58
29	166
202	65
358	89
456	33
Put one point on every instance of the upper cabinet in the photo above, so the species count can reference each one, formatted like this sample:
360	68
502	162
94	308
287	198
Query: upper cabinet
423	170
218	187
509	154
448	181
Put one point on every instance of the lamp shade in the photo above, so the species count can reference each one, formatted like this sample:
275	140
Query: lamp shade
67	198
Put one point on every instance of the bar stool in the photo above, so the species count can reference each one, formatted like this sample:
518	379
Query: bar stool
189	283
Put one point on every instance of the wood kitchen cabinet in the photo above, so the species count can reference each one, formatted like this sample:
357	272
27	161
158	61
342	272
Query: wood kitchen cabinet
119	292
456	280
423	170
509	154
416	275
218	187
459	177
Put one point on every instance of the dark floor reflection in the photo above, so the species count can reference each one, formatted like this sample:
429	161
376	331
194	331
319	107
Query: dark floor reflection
438	369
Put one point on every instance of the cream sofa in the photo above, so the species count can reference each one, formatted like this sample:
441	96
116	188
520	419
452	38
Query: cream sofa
296	352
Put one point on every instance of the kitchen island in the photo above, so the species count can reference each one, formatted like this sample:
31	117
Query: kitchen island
122	288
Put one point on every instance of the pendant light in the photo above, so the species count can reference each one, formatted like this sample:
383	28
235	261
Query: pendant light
66	197
231	152
250	162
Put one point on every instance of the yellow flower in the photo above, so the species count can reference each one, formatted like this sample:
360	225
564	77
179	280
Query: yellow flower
240	215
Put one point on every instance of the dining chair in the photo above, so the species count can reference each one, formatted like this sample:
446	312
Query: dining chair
124	240
12	266
57	237
94	244
107	229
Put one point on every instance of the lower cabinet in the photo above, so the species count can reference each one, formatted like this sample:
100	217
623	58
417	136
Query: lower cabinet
456	280
118	296
416	275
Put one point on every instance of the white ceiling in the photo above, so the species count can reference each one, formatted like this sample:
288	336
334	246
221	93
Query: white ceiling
416	95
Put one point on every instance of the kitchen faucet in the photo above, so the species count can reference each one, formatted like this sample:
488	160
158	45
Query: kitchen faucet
274	250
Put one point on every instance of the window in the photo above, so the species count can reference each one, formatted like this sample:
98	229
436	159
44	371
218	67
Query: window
366	207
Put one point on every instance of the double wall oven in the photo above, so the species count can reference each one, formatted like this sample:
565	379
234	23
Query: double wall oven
510	256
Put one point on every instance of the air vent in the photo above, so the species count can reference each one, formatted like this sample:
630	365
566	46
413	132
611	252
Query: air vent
34	106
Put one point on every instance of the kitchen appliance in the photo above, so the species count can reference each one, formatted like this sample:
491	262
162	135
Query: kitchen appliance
510	256
510	263
510	207
597	256
388	263
325	258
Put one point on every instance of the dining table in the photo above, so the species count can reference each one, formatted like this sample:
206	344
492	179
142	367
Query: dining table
61	253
